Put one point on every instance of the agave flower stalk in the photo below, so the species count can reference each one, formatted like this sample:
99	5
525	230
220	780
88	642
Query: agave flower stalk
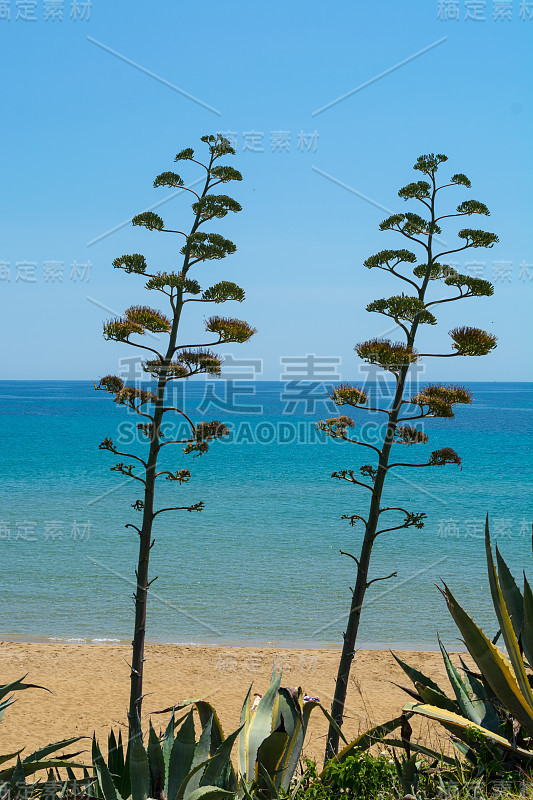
172	362
408	311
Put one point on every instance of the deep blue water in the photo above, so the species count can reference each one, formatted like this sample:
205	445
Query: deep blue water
261	562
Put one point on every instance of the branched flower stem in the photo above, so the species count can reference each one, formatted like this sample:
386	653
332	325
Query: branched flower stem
397	358
140	319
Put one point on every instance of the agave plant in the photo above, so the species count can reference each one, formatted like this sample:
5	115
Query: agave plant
492	709
174	766
13	777
271	740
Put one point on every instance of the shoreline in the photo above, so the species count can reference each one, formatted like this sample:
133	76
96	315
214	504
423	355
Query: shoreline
229	643
90	686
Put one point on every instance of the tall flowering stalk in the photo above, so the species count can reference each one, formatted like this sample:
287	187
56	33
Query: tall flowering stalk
408	312
171	362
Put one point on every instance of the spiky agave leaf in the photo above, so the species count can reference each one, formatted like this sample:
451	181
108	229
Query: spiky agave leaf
472	341
461	726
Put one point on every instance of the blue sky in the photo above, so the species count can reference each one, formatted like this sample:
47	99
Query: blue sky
85	132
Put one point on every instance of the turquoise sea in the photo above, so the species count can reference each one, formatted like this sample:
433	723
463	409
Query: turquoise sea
261	562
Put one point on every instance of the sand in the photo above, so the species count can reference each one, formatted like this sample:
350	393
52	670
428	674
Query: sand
90	685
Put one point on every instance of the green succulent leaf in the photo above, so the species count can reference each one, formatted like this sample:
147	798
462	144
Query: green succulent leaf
156	762
260	726
105	781
461	726
506	626
416	676
139	771
492	664
466	705
512	595
181	756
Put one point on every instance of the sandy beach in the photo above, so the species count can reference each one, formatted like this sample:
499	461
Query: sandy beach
90	685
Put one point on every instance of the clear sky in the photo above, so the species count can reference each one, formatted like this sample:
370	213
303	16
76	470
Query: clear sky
96	104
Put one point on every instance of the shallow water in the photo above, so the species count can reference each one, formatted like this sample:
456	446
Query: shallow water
261	562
